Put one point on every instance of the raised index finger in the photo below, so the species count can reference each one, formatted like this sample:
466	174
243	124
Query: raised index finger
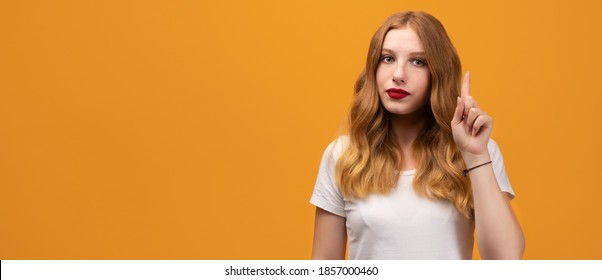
465	92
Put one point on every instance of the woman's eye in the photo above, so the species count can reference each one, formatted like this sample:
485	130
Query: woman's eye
418	62
387	59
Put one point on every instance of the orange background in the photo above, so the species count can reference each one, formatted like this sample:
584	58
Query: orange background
194	129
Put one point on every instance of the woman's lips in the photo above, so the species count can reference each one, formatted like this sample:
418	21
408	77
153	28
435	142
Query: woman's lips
397	93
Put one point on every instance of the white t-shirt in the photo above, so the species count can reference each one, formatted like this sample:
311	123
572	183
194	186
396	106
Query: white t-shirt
401	224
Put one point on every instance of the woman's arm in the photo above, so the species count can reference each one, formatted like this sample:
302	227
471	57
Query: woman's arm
330	236
499	235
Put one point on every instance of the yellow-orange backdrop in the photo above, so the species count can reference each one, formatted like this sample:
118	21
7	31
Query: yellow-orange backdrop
194	129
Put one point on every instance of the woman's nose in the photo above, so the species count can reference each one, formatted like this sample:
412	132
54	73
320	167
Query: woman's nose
398	75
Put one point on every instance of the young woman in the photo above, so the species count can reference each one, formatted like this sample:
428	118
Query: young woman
418	173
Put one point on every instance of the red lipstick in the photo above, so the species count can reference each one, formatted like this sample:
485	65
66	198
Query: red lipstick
397	93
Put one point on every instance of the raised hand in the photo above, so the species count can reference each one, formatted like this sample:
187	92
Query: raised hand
471	126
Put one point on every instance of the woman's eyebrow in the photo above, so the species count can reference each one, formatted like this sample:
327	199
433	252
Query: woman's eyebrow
418	53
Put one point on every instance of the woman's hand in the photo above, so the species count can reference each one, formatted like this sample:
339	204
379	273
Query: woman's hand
471	127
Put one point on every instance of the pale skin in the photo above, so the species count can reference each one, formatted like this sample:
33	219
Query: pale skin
498	233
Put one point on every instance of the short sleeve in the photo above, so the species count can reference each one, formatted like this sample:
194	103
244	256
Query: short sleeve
498	167
327	194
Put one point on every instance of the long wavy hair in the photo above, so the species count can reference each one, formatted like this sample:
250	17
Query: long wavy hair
370	162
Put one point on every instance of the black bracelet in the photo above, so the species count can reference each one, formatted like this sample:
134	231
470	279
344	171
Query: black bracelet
465	171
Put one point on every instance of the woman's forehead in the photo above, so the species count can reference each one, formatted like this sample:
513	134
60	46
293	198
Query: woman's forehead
402	39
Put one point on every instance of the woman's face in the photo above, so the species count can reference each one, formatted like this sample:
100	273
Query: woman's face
402	75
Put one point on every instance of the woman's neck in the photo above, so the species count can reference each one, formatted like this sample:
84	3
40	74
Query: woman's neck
406	128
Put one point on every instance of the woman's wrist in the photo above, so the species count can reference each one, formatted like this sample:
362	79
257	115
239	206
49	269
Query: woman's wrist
472	160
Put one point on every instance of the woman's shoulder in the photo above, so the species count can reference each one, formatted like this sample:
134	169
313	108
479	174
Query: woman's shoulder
493	147
336	147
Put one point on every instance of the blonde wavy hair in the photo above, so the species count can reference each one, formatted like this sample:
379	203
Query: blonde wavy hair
370	162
